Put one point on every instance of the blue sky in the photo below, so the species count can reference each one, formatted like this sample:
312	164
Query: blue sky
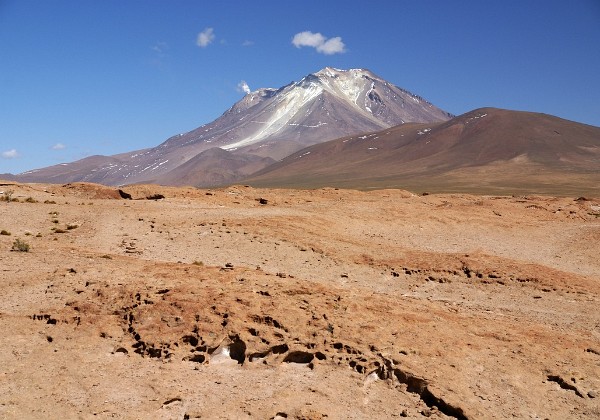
82	77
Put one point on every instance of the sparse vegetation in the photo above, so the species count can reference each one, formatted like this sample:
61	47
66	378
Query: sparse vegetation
20	246
106	256
198	263
5	232
30	200
59	230
49	202
72	226
7	196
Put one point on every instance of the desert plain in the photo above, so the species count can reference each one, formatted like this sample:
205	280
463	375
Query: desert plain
233	303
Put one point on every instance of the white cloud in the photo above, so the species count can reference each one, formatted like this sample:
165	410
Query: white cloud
308	39
10	154
243	87
332	46
319	42
205	37
247	43
59	146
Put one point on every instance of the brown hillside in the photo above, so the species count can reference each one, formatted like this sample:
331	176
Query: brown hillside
486	150
215	167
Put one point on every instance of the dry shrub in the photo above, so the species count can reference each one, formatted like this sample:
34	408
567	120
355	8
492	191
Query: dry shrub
20	246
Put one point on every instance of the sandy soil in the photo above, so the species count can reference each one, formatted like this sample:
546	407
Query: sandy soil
309	305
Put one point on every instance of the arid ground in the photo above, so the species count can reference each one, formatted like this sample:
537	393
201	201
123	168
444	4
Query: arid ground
338	304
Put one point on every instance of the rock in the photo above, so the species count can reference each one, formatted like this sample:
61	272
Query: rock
124	195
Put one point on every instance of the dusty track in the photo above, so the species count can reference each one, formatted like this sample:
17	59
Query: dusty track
317	304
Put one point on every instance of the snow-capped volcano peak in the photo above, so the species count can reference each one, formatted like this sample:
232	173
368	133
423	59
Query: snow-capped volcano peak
334	97
368	93
273	123
335	73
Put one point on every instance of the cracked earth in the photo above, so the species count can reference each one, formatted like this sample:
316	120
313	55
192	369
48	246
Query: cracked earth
177	303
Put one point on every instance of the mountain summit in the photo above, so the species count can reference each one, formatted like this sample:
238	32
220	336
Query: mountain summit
269	123
332	101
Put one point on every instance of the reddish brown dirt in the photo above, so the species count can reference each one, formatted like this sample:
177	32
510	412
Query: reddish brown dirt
315	304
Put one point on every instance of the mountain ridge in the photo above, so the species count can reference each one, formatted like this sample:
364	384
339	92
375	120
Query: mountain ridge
270	123
485	150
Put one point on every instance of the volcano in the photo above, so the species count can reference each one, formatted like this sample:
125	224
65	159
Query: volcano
268	123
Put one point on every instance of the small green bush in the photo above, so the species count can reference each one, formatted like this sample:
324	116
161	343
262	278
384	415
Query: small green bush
30	200
20	246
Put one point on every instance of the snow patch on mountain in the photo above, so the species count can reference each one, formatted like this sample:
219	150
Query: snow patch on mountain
287	108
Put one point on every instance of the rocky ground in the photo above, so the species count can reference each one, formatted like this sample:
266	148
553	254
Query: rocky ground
245	303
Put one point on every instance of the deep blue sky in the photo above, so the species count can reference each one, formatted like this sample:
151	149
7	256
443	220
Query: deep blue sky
86	77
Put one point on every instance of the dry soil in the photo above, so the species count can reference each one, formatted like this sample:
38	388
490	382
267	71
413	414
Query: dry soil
337	304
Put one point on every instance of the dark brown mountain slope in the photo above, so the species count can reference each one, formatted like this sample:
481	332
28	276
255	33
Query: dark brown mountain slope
485	150
215	167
